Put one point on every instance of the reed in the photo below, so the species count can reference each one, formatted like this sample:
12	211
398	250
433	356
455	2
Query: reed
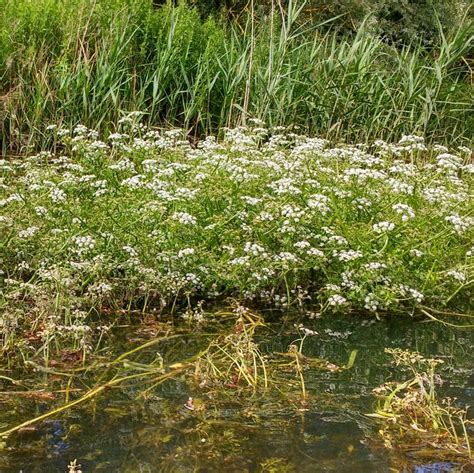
88	61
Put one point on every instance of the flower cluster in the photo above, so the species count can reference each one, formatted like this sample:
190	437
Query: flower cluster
263	215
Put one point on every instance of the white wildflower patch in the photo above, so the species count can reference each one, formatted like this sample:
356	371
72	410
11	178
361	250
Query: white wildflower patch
371	302
410	292
375	266
284	186
240	261
132	252
57	195
319	202
336	300
449	161
186	252
315	252
383	227
84	243
362	203
133	182
251	200
254	249
184	218
401	187
460	225
302	244
404	210
457	275
268	215
349	255
28	232
286	257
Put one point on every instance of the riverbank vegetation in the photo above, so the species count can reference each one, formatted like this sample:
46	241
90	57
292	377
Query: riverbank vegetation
173	170
144	221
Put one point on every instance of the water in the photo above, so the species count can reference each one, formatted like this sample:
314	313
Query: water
120	431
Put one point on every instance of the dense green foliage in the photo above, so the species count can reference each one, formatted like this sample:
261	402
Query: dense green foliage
144	221
399	22
87	61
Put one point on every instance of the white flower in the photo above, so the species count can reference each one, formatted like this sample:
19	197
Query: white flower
264	217
293	213
102	289
383	227
130	250
338	239
404	210
411	139
251	200
133	182
375	265
41	211
184	218
315	252
347	281
336	300
57	195
284	186
240	261
400	187
254	249
80	130
457	275
28	233
185	252
285	256
362	203
302	244
449	161
306	331
416	253
319	202
118	136
348	255
123	165
371	302
460	225
84	243
406	291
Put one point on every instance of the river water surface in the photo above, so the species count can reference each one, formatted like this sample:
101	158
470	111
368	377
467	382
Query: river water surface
122	430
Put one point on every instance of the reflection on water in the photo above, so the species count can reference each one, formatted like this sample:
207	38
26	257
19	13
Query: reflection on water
118	432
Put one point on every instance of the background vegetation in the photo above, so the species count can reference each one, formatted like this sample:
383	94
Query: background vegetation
324	66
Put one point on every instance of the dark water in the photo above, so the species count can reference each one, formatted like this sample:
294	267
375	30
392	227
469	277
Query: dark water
121	431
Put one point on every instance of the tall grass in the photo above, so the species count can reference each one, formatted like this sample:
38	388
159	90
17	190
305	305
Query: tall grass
88	61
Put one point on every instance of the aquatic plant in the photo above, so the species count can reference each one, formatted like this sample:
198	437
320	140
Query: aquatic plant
230	363
413	414
144	222
234	360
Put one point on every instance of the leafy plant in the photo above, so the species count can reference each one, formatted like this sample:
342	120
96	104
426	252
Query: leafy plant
413	414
